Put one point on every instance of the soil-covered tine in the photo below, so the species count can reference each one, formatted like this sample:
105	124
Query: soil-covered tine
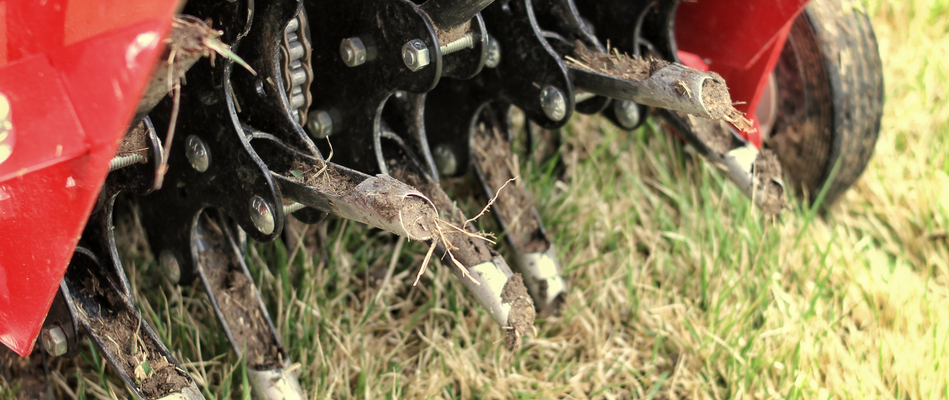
535	256
240	310
125	340
481	270
378	201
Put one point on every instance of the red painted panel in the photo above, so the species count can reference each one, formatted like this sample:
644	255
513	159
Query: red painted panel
71	97
741	41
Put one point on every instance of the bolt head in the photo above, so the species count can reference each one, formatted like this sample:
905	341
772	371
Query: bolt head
6	129
445	160
169	266
353	51
494	53
627	113
554	103
261	214
197	152
415	55
54	341
320	124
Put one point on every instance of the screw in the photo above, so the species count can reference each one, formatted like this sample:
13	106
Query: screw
445	160
553	103
627	113
415	55
169	266
197	153
353	51
292	208
6	129
494	53
579	97
261	215
320	124
125	161
54	341
461	43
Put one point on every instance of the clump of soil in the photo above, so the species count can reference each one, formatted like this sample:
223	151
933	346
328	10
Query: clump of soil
453	34
719	104
322	176
632	68
468	249
493	157
521	318
134	142
236	297
767	171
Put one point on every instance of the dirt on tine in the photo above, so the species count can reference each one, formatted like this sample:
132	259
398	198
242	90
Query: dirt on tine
467	250
767	170
322	176
122	335
521	317
415	214
634	68
134	142
237	299
719	104
514	207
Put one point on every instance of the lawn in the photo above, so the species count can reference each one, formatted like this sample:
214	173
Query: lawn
679	288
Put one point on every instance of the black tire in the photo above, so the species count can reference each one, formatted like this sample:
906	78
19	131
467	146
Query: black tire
829	98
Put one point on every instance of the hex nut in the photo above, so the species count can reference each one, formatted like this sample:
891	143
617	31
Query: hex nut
54	341
320	124
415	55
353	51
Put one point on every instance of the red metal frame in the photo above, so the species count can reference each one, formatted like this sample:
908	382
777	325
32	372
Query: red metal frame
73	71
741	41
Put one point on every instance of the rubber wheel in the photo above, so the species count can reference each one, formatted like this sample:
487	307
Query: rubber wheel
829	98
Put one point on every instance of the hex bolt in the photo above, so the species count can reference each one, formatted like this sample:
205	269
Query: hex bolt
627	113
6	129
197	153
125	161
320	124
415	55
54	341
261	215
494	53
353	51
464	42
170	268
445	160
553	103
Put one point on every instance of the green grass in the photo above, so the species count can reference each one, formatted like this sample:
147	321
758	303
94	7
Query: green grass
679	289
